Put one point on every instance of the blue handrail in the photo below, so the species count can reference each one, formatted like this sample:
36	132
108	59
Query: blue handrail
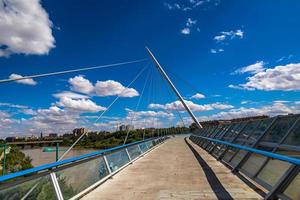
294	161
66	161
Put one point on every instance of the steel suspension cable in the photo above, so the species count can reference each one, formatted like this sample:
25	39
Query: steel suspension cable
138	104
70	71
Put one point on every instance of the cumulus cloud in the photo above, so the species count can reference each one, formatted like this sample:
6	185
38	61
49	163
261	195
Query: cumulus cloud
80	84
25	28
28	81
186	31
177	105
198	96
82	105
276	108
112	88
282	77
253	69
101	88
229	35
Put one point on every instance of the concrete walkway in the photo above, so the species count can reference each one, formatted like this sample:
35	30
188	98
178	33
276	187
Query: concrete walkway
178	169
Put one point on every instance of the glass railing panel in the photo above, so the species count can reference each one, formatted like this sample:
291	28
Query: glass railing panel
292	152
216	149
248	130
292	190
222	149
143	147
258	131
40	188
230	152
117	159
279	129
74	180
234	131
237	158
253	163
149	144
134	151
272	171
294	137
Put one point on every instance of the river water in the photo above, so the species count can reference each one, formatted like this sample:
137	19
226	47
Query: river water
39	157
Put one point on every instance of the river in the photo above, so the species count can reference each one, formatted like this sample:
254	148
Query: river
39	157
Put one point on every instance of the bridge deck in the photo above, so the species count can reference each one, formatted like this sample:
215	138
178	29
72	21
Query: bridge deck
177	169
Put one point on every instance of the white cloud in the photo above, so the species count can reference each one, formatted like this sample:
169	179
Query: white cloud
245	102
273	109
177	105
28	81
71	95
101	88
253	69
286	78
25	28
229	35
10	105
80	84
186	31
190	23
81	105
216	50
112	88
149	113
284	58
198	96
189	5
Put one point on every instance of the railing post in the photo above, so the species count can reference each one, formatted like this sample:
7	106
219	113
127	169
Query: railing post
106	163
128	154
140	148
56	186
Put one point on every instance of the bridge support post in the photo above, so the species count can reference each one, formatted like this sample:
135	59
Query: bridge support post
107	165
128	154
56	186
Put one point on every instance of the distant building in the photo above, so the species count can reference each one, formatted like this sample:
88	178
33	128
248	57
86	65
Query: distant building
129	127
79	131
41	136
126	127
52	135
10	139
122	128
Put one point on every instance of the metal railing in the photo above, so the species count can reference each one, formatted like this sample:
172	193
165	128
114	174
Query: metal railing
74	177
266	151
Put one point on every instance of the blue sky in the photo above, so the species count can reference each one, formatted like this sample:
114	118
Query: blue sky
241	58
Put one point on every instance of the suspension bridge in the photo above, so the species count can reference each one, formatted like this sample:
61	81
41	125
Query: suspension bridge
254	159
